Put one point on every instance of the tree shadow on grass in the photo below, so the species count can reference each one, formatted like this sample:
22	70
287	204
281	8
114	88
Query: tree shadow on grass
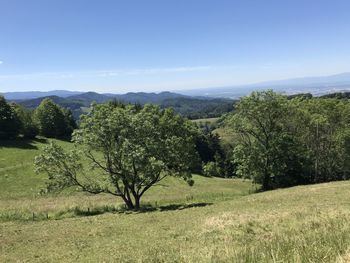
94	211
21	143
122	210
171	207
182	206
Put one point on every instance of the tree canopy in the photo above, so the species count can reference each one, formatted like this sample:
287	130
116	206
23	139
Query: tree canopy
53	121
123	151
26	124
9	123
289	142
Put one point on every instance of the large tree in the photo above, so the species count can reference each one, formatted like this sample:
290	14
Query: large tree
266	150
324	128
122	151
285	142
52	120
27	126
9	123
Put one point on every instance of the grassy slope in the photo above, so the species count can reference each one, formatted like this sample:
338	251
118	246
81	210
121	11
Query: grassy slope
206	120
16	165
300	224
20	188
224	133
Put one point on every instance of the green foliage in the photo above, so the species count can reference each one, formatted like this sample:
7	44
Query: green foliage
211	169
288	142
324	125
211	148
338	95
70	124
197	108
53	121
27	125
131	148
215	220
9	123
208	145
190	107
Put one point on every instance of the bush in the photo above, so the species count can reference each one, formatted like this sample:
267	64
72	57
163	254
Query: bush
211	169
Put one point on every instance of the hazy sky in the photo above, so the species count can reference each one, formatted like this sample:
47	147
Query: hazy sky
146	45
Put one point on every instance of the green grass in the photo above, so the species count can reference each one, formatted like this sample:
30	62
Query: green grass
226	135
17	176
206	120
20	189
217	220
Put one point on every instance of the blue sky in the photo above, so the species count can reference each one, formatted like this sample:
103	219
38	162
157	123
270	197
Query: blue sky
119	46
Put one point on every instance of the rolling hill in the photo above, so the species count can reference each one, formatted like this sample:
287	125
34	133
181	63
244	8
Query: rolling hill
26	95
192	107
217	220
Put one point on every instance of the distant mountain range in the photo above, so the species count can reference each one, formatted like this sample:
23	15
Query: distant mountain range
191	107
85	99
25	95
139	97
202	103
317	86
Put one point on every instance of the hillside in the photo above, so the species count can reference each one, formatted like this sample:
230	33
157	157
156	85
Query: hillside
64	102
17	184
195	108
88	97
27	95
215	221
192	107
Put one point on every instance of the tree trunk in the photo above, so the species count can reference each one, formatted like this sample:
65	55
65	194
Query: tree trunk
137	202
266	179
266	182
128	202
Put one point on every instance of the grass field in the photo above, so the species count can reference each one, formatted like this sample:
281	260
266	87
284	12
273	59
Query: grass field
20	189
206	120
225	134
217	220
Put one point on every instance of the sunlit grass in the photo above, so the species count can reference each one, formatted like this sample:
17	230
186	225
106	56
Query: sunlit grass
20	189
216	220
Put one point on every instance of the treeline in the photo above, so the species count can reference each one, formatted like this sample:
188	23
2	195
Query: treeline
189	107
48	119
196	108
215	157
278	141
283	142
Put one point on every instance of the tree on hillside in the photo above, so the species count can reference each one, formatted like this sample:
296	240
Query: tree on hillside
266	151
9	123
27	126
215	160
52	120
122	151
324	129
69	122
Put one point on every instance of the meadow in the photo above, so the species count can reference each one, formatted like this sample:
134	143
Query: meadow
207	121
216	220
227	136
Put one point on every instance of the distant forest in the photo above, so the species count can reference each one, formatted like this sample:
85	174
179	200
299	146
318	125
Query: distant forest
189	107
276	140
